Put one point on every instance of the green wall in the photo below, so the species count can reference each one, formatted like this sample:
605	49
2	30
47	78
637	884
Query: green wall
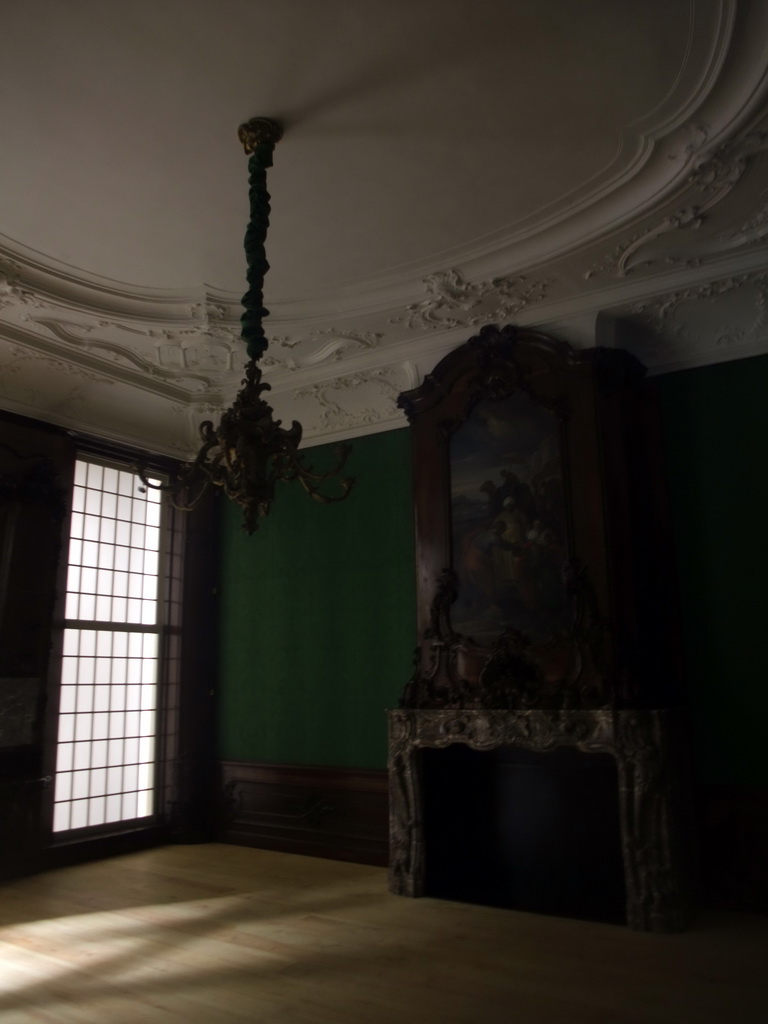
716	424
317	616
317	626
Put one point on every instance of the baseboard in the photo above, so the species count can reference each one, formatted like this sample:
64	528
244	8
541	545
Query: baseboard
342	814
339	813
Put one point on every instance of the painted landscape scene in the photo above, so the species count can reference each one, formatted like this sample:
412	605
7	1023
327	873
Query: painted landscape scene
508	521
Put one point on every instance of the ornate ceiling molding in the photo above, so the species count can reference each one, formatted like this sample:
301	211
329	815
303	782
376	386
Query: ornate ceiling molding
453	302
73	344
351	404
27	276
319	347
721	319
86	401
714	95
713	180
665	315
679	203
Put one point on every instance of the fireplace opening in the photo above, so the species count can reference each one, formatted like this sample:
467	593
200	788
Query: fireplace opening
525	830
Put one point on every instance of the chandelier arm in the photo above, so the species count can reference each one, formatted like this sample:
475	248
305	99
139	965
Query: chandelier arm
296	465
307	472
346	484
312	481
203	485
186	472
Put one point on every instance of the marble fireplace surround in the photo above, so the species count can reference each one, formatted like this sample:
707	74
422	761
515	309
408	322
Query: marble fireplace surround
647	746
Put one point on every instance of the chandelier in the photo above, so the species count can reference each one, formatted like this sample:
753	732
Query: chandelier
250	452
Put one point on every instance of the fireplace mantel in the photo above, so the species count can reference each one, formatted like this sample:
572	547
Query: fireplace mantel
652	801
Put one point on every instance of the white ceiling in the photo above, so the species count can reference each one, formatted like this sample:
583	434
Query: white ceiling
593	169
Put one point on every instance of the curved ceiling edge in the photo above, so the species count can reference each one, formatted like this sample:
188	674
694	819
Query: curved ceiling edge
719	84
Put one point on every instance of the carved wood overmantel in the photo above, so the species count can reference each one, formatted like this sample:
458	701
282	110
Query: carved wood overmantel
547	584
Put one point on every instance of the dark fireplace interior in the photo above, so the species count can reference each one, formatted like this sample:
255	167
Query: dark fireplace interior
531	831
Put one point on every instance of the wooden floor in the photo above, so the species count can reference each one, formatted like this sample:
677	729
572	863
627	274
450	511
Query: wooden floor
222	933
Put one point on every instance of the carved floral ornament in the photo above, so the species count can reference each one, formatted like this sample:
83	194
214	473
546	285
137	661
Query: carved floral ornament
384	384
12	291
327	345
713	179
178	355
452	302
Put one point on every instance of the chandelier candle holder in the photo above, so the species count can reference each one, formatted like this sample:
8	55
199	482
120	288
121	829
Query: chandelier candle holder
250	451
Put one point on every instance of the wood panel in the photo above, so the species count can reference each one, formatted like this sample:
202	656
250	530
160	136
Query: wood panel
339	813
189	763
36	465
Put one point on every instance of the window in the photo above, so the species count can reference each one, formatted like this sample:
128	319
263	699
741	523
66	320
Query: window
107	727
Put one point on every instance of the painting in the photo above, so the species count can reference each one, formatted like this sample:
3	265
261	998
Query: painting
508	521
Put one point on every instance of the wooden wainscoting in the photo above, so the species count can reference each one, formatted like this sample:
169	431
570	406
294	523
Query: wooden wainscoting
340	813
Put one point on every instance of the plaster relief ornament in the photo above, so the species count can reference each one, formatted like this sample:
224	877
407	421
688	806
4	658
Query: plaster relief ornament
712	180
250	451
11	291
454	302
385	383
732	327
328	345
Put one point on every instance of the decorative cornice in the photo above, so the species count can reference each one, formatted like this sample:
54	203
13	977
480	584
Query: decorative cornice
450	298
334	343
333	414
661	314
21	354
671	172
752	230
177	363
12	291
107	363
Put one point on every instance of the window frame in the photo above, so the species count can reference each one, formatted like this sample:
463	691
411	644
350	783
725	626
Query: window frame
102	840
126	624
